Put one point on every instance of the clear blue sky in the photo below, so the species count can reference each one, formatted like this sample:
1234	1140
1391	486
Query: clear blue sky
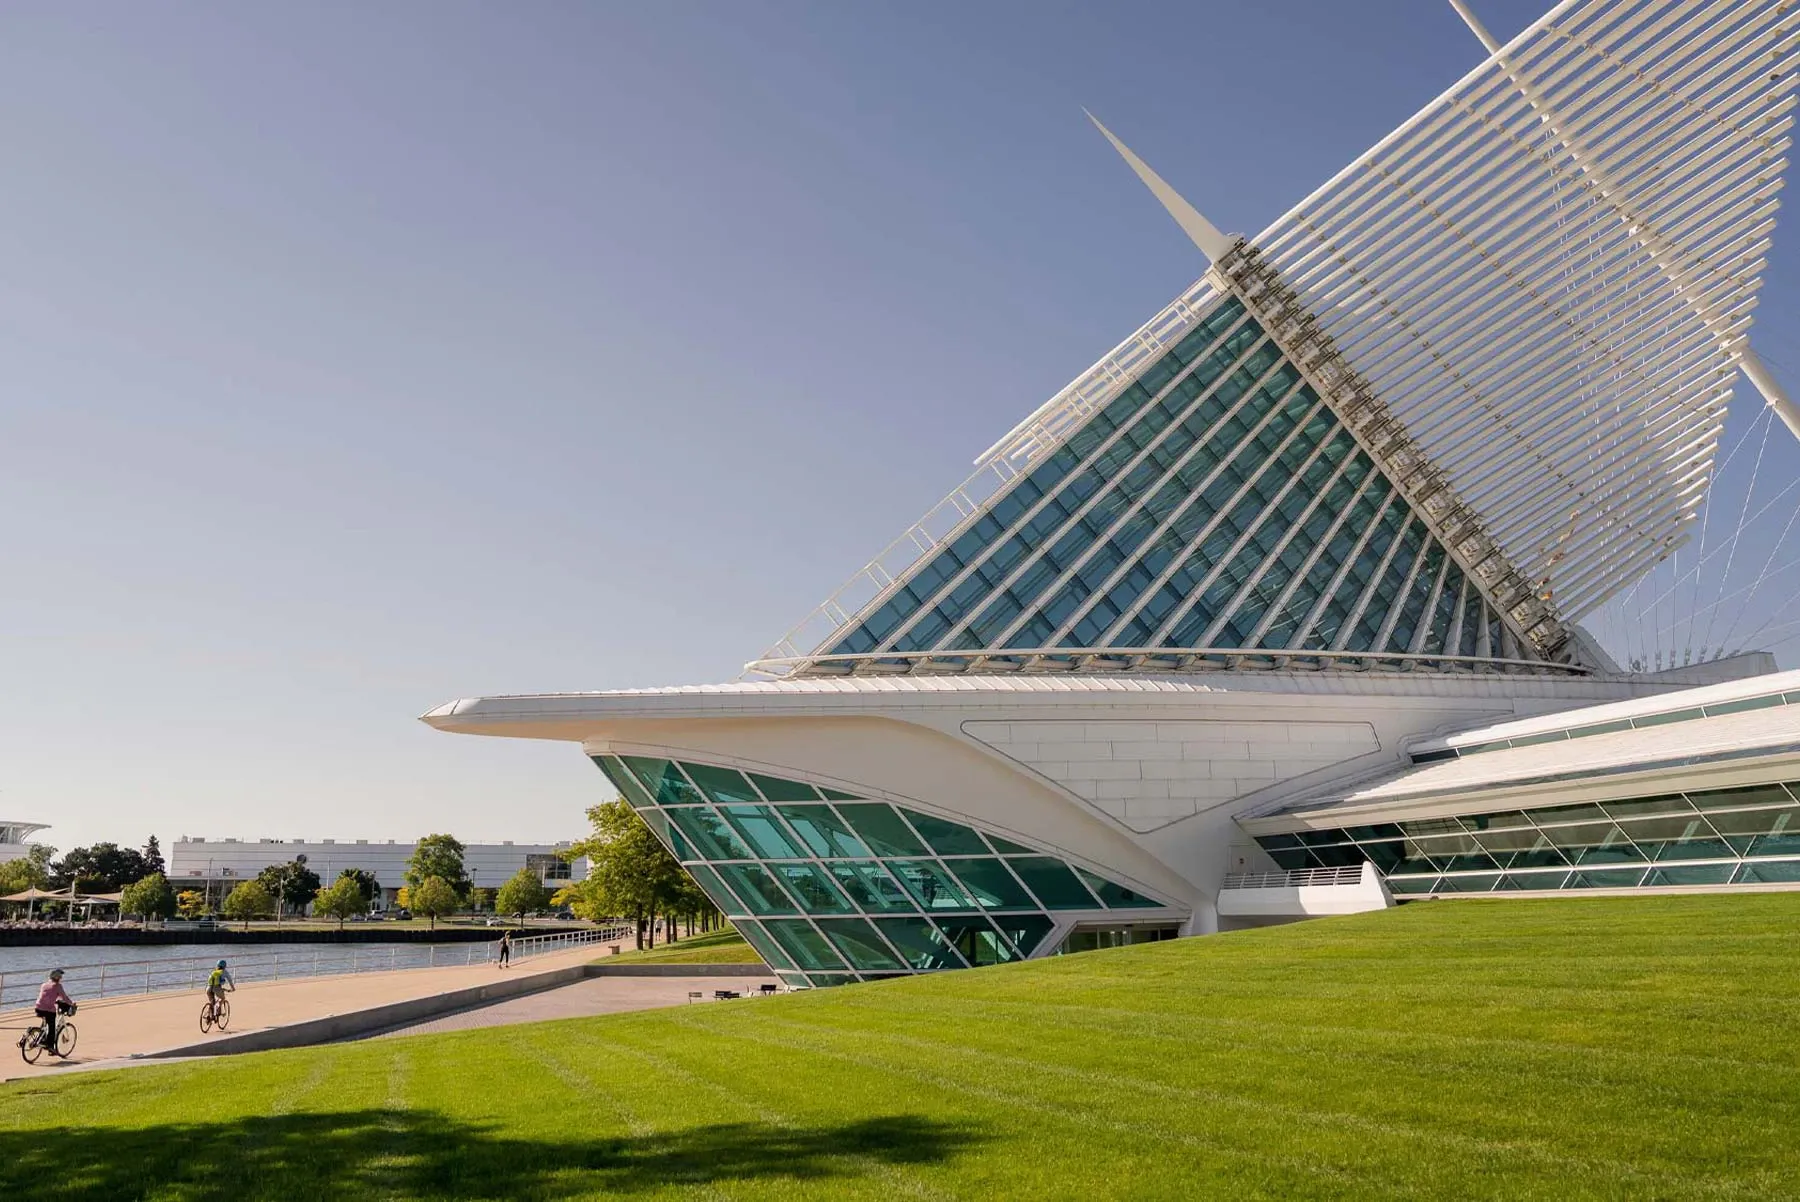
360	357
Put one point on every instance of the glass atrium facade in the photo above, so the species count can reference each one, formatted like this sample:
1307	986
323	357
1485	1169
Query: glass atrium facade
831	888
1718	837
1216	502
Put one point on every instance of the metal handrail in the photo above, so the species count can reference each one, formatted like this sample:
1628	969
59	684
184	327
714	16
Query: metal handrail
116	978
1069	660
1291	880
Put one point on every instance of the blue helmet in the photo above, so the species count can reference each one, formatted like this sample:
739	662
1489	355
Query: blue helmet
221	964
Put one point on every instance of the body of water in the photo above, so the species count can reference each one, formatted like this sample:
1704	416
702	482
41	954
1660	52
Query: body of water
108	971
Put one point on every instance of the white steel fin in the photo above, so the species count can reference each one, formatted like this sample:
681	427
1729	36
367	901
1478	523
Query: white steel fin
1204	233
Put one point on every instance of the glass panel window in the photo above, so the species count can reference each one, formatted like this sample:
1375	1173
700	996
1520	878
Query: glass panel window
709	883
709	833
827	835
1007	847
1539	881
858	943
923	945
806	946
1606	878
1647	807
773	788
947	838
662	780
991	885
1550	815
1116	897
659	824
1025	931
882	829
978	942
1732	799
825	980
930	885
812	888
726	786
1055	885
1676	838
763	831
765	947
1474	882
1768	872
1691	874
1412	885
1594	843
756	888
622	780
870	887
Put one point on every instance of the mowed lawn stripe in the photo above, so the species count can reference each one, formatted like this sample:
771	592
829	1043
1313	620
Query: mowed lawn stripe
1608	1048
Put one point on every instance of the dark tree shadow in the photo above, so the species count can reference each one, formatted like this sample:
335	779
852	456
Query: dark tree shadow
421	1153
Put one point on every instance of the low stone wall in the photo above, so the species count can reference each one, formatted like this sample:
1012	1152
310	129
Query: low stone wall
604	969
365	932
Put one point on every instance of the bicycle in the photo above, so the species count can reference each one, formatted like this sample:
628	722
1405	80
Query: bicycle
32	1046
214	1014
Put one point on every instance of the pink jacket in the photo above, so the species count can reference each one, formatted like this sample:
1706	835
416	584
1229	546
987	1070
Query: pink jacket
52	993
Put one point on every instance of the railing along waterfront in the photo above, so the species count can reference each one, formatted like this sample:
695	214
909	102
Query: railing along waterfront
118	978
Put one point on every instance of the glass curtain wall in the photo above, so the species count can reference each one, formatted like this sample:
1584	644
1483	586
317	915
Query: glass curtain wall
1216	501
829	887
1718	837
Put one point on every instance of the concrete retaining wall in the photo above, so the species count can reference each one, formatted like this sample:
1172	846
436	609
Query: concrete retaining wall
604	969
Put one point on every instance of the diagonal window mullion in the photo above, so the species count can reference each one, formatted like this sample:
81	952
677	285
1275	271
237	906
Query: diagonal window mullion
935	599
1435	599
1229	610
1054	587
1401	596
977	611
1392	502
1363	488
1271	462
1401	543
1228	458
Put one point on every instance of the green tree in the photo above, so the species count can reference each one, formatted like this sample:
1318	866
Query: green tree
433	896
291	885
440	856
630	874
153	855
150	898
251	899
102	868
522	893
190	903
344	898
365	881
29	871
481	899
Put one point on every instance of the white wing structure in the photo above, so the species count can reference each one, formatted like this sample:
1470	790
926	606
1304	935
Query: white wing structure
1527	306
1548	274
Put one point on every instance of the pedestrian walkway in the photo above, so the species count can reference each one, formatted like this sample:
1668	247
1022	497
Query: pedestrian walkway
584	999
113	1030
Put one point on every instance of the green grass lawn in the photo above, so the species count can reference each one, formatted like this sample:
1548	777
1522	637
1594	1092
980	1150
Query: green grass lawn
714	947
1629	1048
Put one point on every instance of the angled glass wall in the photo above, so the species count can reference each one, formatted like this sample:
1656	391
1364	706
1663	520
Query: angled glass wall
1744	836
1216	502
829	887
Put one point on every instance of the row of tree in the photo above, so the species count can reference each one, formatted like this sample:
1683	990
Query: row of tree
437	883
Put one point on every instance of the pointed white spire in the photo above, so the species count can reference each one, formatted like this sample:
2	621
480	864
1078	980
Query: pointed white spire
1205	234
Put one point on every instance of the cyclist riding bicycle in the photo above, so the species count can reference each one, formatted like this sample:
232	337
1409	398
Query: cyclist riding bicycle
218	982
53	999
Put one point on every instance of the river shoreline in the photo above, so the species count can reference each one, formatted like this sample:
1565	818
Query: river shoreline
79	936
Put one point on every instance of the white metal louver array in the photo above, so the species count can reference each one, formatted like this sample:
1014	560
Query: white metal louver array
1545	273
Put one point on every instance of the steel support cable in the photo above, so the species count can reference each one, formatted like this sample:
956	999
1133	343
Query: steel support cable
1763	419
1744	522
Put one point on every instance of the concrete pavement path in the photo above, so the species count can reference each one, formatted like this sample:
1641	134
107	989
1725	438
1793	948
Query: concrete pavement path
596	995
111	1031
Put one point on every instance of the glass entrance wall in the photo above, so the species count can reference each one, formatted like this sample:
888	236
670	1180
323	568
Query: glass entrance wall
829	887
1744	836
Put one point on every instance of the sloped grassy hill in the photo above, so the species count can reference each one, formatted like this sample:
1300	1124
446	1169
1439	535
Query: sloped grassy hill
1632	1048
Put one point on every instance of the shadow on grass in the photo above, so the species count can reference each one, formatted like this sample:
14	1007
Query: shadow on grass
420	1153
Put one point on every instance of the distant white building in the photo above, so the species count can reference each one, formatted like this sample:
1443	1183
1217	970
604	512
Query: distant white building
15	838
221	863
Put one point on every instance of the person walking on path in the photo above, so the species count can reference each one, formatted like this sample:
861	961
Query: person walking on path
52	995
505	948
